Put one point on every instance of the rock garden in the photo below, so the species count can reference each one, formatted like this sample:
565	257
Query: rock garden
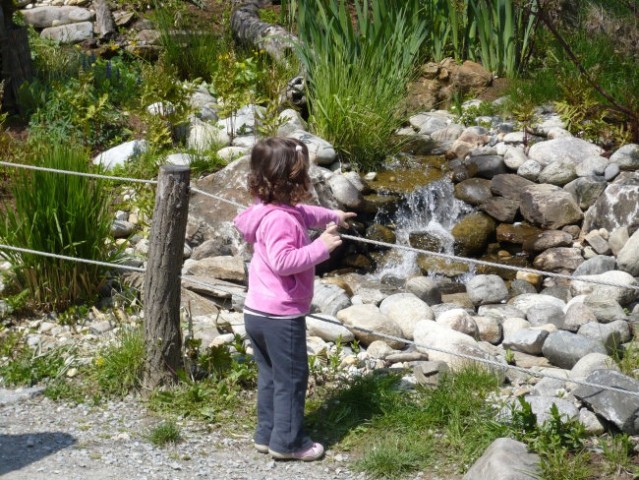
479	320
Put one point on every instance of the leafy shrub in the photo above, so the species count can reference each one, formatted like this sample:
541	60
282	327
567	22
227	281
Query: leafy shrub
160	84
60	214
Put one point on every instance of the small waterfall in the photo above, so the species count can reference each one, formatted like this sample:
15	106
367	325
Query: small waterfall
432	208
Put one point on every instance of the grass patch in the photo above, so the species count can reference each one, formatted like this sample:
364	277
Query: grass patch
449	425
59	214
216	389
20	365
355	110
165	433
117	369
397	455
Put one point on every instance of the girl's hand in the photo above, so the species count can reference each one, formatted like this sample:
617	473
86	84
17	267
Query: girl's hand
330	237
343	216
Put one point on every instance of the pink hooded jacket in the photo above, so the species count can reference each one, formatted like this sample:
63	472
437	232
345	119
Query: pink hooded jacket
282	269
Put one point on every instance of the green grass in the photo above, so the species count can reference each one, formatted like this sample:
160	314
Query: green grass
20	365
117	368
450	425
165	433
192	51
59	214
397	455
353	108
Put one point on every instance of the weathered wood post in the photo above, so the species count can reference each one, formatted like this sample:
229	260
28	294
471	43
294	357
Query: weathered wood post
162	280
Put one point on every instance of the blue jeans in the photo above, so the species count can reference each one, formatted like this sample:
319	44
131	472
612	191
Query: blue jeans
279	346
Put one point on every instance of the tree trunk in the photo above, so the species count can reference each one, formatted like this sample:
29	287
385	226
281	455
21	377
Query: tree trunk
15	58
162	281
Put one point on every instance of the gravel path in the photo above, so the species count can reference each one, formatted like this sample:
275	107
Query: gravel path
44	440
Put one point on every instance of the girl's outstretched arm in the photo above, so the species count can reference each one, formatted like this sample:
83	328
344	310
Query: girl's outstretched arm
319	217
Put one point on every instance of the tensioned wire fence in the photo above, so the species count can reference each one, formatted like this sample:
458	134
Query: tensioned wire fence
220	288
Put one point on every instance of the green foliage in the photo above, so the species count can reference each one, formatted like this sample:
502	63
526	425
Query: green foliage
205	164
467	116
354	109
165	433
77	97
559	442
628	359
458	405
288	13
583	113
235	81
160	84
62	389
449	425
191	51
79	110
397	455
19	365
450	28
58	214
561	465
619	451
52	61
117	368
499	33
353	404
558	432
212	393
3	115
504	30
15	302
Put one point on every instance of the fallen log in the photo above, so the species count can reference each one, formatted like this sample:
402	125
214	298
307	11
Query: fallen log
249	29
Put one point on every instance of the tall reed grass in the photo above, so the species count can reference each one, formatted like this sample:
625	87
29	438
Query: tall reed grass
504	31
358	69
61	214
498	33
191	50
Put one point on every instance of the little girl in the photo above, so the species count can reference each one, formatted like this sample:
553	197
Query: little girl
280	289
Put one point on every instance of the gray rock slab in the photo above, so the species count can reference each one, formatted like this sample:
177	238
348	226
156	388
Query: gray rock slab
617	407
505	459
564	349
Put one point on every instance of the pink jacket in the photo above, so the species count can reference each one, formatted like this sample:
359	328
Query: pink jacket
282	269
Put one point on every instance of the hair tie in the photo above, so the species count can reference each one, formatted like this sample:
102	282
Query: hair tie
298	148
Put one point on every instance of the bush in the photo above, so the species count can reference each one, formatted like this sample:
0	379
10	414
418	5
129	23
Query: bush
60	214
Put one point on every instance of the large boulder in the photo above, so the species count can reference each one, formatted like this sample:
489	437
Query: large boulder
617	206
549	206
622	409
365	321
570	148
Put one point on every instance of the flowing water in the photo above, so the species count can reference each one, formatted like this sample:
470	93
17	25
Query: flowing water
431	208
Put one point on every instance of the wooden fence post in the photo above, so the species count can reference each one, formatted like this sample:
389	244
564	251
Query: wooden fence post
162	331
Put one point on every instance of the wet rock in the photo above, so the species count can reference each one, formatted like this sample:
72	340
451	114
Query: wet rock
473	190
547	240
559	259
472	234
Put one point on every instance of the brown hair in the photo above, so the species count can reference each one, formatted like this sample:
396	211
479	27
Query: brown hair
279	171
